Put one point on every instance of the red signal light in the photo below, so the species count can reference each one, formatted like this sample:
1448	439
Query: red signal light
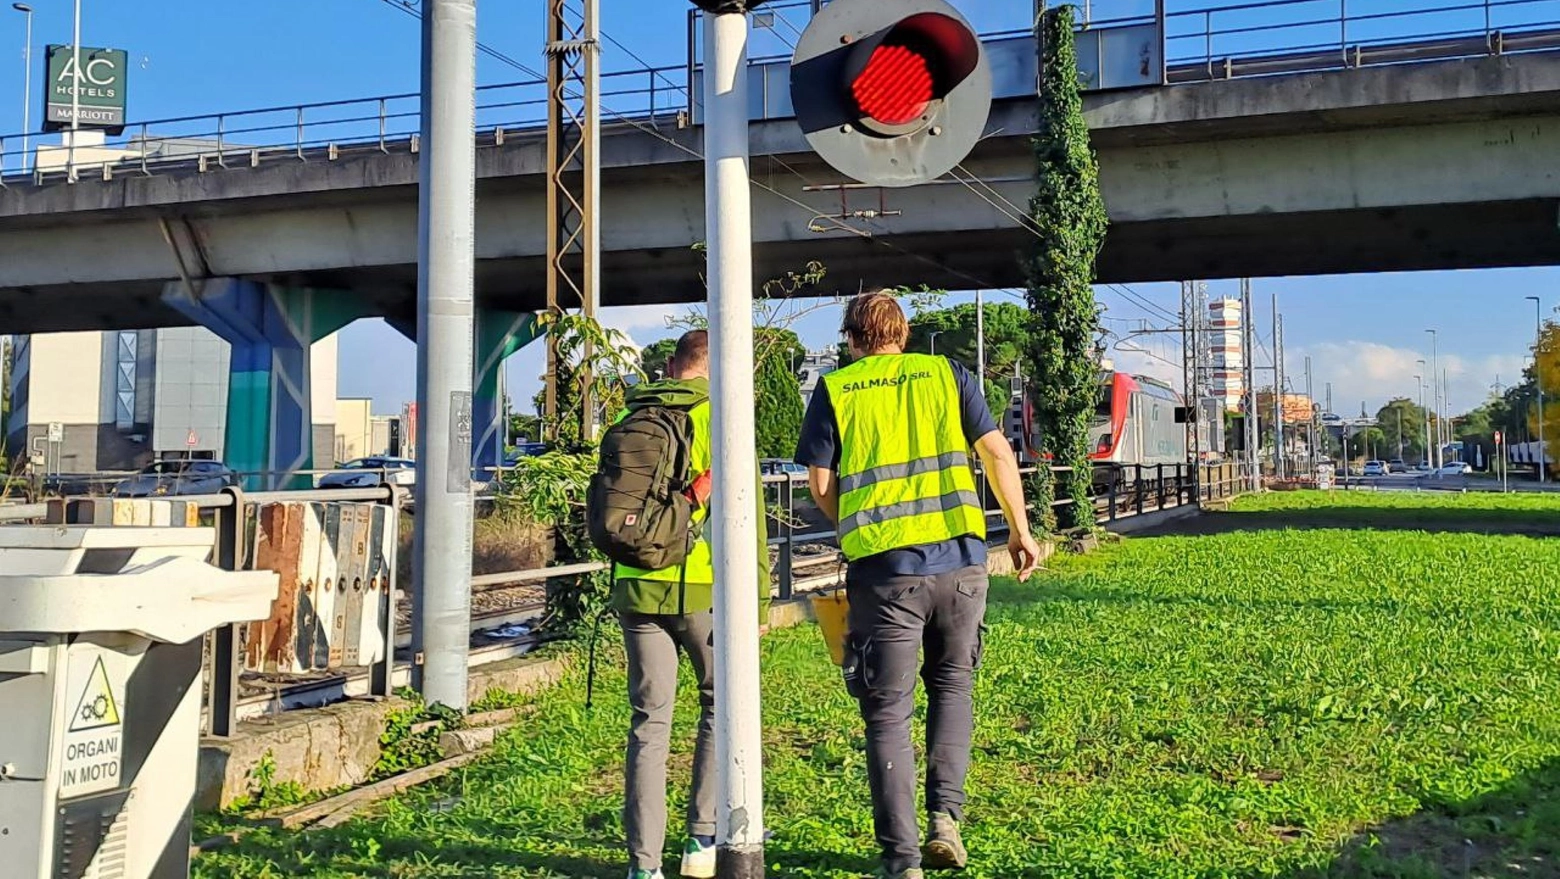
896	86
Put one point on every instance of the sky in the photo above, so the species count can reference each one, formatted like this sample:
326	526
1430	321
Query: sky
1363	333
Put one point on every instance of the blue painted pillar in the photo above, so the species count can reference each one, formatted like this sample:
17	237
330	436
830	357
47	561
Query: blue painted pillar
270	429
498	335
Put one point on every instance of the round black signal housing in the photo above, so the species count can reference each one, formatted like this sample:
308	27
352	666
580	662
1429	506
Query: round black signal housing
891	93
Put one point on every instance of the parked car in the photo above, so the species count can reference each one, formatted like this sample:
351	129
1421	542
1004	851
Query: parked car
781	467
176	478
1423	467
1396	465
1375	468
372	473
525	450
1456	468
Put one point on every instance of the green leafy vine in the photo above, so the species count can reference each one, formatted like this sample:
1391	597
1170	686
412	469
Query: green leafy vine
1070	219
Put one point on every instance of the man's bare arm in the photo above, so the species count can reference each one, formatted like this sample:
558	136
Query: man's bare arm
1001	468
824	488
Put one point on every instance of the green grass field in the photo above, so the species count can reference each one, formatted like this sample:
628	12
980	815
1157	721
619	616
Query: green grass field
1265	702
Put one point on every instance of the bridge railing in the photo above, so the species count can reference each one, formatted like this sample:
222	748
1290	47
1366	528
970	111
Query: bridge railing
1223	40
1195	41
325	129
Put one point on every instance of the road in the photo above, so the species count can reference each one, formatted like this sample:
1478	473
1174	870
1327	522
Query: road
1434	482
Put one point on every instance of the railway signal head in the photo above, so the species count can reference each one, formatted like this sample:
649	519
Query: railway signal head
891	94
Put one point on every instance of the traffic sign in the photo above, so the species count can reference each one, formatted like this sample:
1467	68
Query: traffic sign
56	432
192	439
891	94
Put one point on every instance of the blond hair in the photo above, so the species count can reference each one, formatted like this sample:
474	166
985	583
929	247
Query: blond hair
875	321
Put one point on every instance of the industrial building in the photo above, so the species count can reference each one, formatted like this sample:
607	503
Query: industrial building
111	401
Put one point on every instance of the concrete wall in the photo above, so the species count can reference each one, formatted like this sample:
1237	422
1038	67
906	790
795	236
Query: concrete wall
190	392
323	368
354	430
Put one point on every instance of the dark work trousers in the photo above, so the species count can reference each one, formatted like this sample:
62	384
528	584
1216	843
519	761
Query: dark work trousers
652	643
891	620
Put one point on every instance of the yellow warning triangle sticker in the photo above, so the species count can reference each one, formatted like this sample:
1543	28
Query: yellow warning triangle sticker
96	708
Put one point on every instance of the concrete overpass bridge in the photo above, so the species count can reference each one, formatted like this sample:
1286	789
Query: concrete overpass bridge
1445	163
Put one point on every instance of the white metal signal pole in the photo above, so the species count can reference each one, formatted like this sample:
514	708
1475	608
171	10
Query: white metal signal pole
729	226
445	314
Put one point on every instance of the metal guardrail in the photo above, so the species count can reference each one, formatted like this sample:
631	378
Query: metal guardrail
1200	43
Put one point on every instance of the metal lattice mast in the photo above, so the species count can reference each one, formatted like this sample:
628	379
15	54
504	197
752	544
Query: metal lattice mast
1249	345
573	182
1189	352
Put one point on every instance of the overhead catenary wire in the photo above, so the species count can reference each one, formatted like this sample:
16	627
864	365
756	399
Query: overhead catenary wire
836	222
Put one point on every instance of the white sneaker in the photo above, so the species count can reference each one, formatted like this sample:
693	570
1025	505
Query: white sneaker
698	862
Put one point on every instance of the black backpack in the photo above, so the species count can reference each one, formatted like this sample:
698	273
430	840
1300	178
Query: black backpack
635	510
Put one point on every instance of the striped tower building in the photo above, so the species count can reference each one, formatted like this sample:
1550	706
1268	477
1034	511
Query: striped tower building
1227	383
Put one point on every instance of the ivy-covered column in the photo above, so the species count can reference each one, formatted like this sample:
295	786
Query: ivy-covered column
1070	219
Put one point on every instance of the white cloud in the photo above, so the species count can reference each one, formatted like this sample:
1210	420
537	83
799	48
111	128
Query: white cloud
1375	373
647	321
1151	361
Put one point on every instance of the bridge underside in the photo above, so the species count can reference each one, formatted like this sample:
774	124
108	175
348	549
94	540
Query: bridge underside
1412	238
1423	167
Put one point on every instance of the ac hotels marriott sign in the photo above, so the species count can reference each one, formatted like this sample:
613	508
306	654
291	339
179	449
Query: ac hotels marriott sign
99	90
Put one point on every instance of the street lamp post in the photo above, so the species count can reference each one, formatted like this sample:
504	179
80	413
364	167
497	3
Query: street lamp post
933	336
1538	382
1421	380
75	96
26	10
1435	397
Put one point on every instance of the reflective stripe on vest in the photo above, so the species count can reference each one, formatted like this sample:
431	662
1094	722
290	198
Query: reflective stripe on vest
904	474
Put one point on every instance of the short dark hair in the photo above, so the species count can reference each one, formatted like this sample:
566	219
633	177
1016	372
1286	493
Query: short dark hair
693	349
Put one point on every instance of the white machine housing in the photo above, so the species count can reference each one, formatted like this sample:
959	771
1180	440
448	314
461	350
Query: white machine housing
100	670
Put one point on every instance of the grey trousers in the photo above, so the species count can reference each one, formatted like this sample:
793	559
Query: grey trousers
891	620
652	643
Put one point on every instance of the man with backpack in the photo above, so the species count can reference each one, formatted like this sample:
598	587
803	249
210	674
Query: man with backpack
647	507
886	441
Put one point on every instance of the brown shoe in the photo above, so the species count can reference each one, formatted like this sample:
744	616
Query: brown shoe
944	850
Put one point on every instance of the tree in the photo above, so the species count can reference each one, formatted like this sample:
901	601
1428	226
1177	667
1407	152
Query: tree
1069	221
652	360
612	359
778	356
1546	375
777	384
1008	336
1405	419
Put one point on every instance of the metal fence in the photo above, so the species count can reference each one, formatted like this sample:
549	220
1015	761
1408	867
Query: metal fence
804	551
1198	42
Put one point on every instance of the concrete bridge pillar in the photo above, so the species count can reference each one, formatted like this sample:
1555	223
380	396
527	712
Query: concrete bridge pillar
499	334
271	329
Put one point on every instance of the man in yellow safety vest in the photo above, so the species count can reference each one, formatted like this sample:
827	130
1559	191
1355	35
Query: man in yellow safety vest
887	441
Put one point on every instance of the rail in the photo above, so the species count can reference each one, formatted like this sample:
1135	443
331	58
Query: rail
1198	43
806	559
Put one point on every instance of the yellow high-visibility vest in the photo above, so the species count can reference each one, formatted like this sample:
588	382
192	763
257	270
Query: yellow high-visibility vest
904	475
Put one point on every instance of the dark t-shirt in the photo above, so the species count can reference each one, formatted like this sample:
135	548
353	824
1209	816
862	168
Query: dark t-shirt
820	447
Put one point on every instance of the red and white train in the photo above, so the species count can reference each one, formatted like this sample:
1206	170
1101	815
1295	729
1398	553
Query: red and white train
1135	423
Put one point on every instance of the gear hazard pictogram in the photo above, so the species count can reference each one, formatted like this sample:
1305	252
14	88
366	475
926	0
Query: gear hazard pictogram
96	708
